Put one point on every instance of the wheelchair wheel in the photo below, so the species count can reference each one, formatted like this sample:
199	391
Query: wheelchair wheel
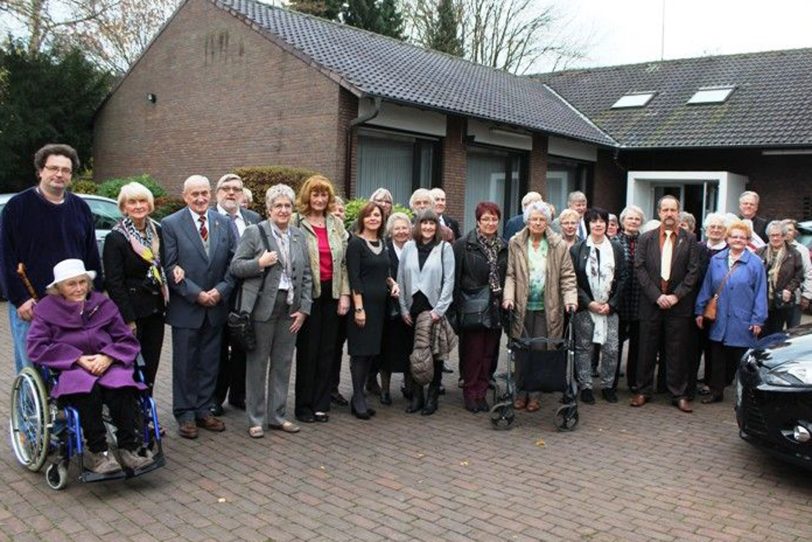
502	415
566	417
30	423
56	475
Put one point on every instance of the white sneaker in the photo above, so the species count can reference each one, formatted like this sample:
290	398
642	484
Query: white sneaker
101	462
133	460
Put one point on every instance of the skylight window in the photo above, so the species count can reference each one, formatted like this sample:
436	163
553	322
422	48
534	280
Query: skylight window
637	99
712	95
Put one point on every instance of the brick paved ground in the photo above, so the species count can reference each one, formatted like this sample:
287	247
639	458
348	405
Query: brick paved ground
624	474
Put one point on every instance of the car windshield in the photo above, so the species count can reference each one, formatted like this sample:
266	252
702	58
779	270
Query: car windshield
105	213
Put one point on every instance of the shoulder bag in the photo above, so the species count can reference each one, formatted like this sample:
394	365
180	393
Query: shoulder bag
240	326
710	309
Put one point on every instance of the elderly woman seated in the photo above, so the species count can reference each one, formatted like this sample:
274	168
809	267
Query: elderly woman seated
81	334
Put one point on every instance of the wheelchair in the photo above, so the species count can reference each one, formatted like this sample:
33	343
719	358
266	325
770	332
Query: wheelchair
40	429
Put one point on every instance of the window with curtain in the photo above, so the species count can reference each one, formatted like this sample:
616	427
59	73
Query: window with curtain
398	163
492	176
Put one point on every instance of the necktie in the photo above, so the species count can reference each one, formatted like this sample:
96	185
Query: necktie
204	233
665	263
234	229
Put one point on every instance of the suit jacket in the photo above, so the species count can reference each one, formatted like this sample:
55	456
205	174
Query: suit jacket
684	280
245	266
183	247
250	216
125	279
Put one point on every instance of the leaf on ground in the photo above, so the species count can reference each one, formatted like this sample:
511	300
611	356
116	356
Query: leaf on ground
540	443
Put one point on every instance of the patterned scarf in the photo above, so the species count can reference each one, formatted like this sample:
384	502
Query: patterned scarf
773	259
147	248
491	247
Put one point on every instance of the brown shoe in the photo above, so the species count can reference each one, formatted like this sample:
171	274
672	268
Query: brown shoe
210	423
188	429
684	405
520	403
533	405
638	400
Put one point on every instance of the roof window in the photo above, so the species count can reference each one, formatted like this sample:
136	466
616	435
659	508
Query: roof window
712	95
636	99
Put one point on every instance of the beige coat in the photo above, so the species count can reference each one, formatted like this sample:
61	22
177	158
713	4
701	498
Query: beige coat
560	287
337	237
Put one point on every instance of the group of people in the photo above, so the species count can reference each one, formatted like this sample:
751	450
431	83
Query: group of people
309	284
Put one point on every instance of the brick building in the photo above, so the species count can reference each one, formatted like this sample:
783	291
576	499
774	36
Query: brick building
229	83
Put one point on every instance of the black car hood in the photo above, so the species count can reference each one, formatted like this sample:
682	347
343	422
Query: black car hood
779	348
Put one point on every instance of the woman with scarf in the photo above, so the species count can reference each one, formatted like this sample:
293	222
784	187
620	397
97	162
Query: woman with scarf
133	275
480	262
631	218
600	269
785	272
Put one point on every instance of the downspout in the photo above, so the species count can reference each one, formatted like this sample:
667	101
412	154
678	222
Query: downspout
376	109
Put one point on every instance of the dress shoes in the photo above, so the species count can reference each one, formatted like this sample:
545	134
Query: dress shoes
638	400
216	409
188	429
306	418
361	415
684	405
321	417
609	395
210	423
286	426
713	398
337	399
587	396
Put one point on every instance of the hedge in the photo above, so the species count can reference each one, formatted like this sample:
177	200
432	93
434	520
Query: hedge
111	188
258	179
354	206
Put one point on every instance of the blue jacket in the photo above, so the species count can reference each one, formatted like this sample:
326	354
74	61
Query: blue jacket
742	302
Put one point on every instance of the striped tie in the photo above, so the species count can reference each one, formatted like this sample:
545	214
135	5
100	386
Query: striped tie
204	233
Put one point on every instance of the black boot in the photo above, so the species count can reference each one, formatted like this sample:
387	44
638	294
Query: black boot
431	400
417	402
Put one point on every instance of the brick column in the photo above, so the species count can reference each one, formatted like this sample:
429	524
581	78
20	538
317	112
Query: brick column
537	174
454	166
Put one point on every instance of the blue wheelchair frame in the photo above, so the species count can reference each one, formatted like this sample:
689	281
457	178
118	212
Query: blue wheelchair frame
39	429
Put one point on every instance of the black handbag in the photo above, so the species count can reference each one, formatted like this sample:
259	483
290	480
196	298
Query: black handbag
239	323
476	310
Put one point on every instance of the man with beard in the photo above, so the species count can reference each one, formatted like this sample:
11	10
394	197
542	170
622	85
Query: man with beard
666	264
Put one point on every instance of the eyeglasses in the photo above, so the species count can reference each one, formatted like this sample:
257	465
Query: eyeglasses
62	170
231	188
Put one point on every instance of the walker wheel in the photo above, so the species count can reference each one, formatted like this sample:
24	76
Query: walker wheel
502	415
566	418
56	475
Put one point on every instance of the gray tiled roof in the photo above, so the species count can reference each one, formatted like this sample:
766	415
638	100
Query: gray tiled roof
375	65
770	107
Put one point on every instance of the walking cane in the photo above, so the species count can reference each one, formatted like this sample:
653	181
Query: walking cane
27	283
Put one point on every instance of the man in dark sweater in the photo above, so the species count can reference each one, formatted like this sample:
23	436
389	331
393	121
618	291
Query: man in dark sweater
41	227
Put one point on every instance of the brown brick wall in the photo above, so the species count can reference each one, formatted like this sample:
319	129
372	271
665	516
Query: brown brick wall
454	166
609	183
226	97
347	111
537	174
783	182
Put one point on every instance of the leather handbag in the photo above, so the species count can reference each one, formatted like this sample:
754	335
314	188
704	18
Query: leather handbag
239	323
476	309
710	309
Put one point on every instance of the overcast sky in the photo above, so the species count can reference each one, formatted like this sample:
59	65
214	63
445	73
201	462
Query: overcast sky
629	31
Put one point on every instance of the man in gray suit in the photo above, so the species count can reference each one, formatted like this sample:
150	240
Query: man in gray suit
199	240
231	376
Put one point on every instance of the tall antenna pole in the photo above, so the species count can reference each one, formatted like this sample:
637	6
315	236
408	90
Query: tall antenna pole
662	34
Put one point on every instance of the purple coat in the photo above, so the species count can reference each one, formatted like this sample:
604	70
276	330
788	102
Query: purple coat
62	331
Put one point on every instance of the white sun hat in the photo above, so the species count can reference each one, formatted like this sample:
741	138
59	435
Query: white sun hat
68	269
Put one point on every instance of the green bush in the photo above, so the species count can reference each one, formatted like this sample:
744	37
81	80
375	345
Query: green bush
258	179
84	186
111	188
354	206
166	205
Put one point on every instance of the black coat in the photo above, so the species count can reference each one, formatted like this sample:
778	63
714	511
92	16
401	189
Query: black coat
452	225
580	256
471	264
125	279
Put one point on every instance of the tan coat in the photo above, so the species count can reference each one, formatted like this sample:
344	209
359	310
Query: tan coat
560	287
337	237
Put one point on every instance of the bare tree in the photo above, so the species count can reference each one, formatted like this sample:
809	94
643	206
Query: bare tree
111	32
510	35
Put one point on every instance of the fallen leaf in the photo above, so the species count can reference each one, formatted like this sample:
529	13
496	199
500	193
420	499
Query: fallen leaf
540	443
464	463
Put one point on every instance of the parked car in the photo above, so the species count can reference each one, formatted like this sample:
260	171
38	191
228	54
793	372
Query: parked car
105	214
774	395
805	233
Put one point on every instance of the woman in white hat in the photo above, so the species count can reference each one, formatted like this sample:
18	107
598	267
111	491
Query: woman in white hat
81	334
